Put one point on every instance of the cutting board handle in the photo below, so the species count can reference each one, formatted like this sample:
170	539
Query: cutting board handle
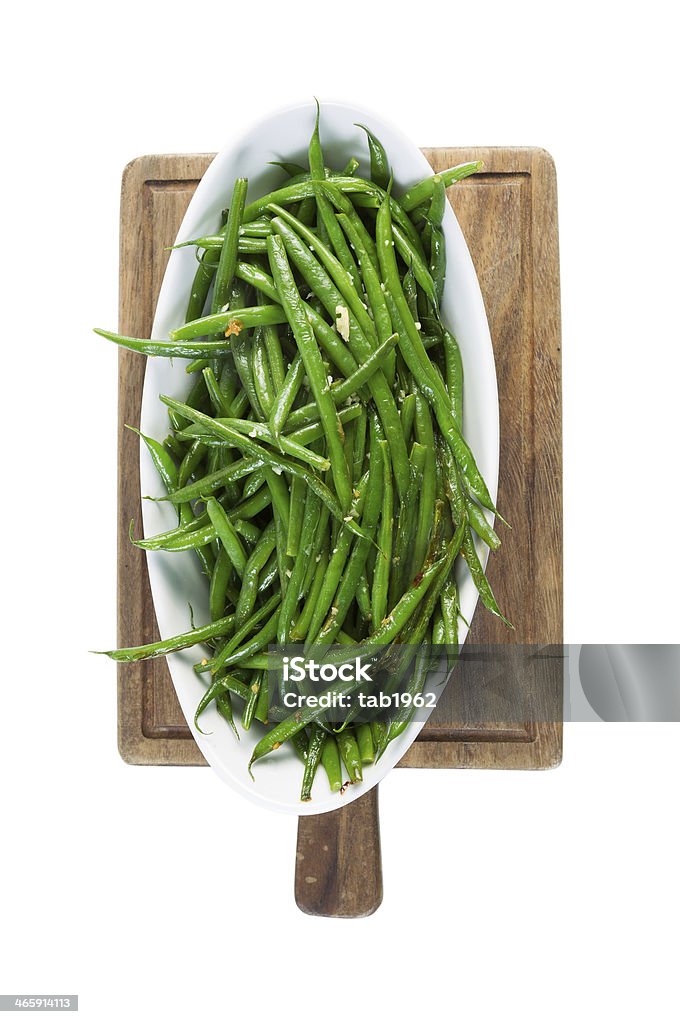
338	871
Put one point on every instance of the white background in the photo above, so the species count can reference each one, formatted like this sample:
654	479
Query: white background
158	894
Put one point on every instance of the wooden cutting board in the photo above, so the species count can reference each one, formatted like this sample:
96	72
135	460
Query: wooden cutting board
508	214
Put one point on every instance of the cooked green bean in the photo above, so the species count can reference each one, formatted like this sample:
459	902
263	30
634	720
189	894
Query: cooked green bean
314	758
224	274
159	649
307	346
423	190
318	465
380	165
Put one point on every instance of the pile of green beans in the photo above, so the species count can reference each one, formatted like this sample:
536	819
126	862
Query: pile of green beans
318	466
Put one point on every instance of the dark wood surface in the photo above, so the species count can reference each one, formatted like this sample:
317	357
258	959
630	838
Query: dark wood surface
508	214
338	870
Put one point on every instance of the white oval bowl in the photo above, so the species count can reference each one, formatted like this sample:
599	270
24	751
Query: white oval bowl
176	580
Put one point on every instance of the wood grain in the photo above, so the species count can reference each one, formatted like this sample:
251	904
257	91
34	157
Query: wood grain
508	214
338	870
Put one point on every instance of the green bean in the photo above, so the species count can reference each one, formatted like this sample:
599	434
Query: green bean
259	279
287	444
438	628
350	168
381	575
432	217
363	597
306	211
392	625
315	553
262	379
242	349
182	540
286	396
302	623
325	210
349	752
250	507
482	584
310	517
454	376
437	206
296	511
223	704
251	703
224	274
365	743
292	169
219	583
463	506
425	436
269	573
221	406
314	757
160	648
424	189
413	259
359	446
372	502
174	349
230	320
311	357
479	524
173	446
406	526
344	206
280	505
450	609
203	278
227	535
408	414
405	712
330	759
410	289
262	705
230	684
272	344
299	190
295	442
163	462
251	574
212	482
231	652
379	734
336	565
380	165
265	636
253	483
245	244
214	690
